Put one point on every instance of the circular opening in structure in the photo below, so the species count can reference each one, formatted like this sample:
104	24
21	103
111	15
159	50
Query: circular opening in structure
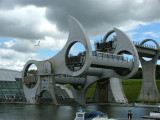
147	59
108	43
78	87
111	37
127	59
149	45
31	78
75	57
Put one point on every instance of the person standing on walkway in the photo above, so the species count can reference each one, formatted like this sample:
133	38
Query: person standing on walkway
129	115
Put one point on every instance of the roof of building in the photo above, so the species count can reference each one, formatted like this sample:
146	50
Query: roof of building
9	75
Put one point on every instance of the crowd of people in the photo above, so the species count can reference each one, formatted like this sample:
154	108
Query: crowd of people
12	99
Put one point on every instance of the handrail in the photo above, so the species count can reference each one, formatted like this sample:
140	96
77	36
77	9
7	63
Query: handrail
144	45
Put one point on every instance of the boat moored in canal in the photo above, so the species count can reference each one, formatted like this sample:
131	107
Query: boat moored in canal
93	115
155	115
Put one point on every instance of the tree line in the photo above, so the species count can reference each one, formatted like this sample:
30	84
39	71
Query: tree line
139	73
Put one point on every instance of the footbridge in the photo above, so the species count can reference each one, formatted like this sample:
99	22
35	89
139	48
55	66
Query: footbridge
105	66
146	50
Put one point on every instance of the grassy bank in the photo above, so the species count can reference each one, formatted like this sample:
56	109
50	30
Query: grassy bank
91	90
131	88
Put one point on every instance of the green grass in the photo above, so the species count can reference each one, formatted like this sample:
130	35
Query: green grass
91	90
67	86
131	88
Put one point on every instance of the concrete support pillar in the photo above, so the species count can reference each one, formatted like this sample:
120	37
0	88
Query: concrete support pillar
47	84
116	91
52	89
149	91
101	92
80	95
110	90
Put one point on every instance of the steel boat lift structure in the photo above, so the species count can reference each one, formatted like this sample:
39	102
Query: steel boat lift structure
101	67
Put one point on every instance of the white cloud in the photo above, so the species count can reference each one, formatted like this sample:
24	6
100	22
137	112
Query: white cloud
7	44
51	43
27	22
14	54
24	45
26	26
151	34
48	28
131	35
139	1
14	60
130	25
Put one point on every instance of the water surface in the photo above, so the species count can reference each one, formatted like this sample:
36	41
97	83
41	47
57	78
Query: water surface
50	112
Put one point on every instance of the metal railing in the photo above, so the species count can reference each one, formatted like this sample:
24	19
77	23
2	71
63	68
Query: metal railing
145	45
113	56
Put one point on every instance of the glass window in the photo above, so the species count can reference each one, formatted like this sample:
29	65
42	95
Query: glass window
80	115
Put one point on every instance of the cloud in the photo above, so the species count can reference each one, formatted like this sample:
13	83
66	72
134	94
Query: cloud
52	44
15	53
131	35
7	44
27	25
130	25
26	22
151	34
26	46
11	59
20	23
97	17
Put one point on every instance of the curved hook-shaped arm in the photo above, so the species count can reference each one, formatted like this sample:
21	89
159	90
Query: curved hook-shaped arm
76	34
125	44
107	35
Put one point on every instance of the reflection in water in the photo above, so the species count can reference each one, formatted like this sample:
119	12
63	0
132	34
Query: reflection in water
49	112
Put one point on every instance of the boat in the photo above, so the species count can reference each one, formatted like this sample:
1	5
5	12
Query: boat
155	114
93	115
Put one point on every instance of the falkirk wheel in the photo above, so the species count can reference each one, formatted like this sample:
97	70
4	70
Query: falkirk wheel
102	66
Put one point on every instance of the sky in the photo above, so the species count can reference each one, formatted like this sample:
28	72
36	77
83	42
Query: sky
23	23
